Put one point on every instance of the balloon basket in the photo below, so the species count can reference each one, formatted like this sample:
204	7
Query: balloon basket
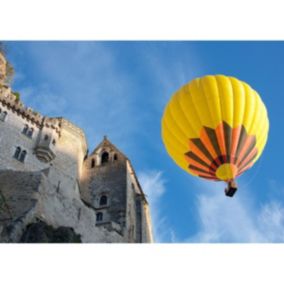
231	189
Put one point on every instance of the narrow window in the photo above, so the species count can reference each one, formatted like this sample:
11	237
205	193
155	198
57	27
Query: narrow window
105	157
25	129
103	200
30	132
3	115
99	216
23	156
53	142
93	163
45	137
115	157
17	153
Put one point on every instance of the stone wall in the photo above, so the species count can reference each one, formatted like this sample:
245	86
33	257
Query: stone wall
107	179
56	173
55	206
138	216
65	140
11	137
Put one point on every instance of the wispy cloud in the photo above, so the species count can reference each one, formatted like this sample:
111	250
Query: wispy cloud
223	219
153	185
84	83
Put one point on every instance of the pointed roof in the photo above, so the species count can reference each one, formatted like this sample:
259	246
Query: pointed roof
107	143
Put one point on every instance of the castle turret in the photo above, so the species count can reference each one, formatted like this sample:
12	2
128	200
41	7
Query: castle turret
49	134
110	186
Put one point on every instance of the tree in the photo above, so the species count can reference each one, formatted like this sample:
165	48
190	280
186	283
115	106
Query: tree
9	68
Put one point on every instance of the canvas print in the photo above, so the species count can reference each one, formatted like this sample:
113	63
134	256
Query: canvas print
141	142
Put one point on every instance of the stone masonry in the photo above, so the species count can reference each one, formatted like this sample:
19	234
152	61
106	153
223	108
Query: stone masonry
50	185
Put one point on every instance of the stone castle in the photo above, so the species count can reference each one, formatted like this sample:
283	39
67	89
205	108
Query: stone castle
52	190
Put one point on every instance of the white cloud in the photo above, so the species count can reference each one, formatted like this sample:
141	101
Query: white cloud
153	185
223	219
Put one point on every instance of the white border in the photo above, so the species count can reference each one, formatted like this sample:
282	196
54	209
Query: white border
150	20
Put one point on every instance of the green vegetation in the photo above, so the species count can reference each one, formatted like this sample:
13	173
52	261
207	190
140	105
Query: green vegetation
9	68
17	95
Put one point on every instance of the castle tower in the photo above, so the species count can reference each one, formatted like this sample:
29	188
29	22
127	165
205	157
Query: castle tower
110	186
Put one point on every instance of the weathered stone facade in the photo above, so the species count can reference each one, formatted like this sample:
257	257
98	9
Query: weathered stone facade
48	179
110	186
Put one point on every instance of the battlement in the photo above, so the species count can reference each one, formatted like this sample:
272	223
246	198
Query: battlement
8	99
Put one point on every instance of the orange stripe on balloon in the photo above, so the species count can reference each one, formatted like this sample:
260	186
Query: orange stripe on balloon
235	140
244	149
207	143
249	156
246	167
198	152
221	138
196	164
206	175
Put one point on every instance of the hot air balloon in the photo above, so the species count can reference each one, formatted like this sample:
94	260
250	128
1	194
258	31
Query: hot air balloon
215	127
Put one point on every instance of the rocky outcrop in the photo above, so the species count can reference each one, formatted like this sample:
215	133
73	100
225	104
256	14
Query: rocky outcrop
32	208
40	232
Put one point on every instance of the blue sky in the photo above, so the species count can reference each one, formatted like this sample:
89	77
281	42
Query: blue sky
120	89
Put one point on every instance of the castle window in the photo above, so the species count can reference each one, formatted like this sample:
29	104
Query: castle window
103	200
25	129
93	163
30	132
3	116
99	217
115	157
105	157
45	137
17	153
23	156
53	142
20	154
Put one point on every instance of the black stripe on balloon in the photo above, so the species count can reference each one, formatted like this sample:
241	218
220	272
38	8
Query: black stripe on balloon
197	142
250	148
228	139
199	170
214	141
198	160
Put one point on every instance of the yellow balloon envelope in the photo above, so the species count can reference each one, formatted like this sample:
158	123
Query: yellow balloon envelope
215	127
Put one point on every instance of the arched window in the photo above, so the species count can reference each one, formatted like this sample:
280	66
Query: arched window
3	115
23	156
103	200
25	129
105	157
45	137
99	216
17	153
115	157
93	163
30	132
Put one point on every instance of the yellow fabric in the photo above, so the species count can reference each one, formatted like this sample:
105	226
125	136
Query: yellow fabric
208	101
226	171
